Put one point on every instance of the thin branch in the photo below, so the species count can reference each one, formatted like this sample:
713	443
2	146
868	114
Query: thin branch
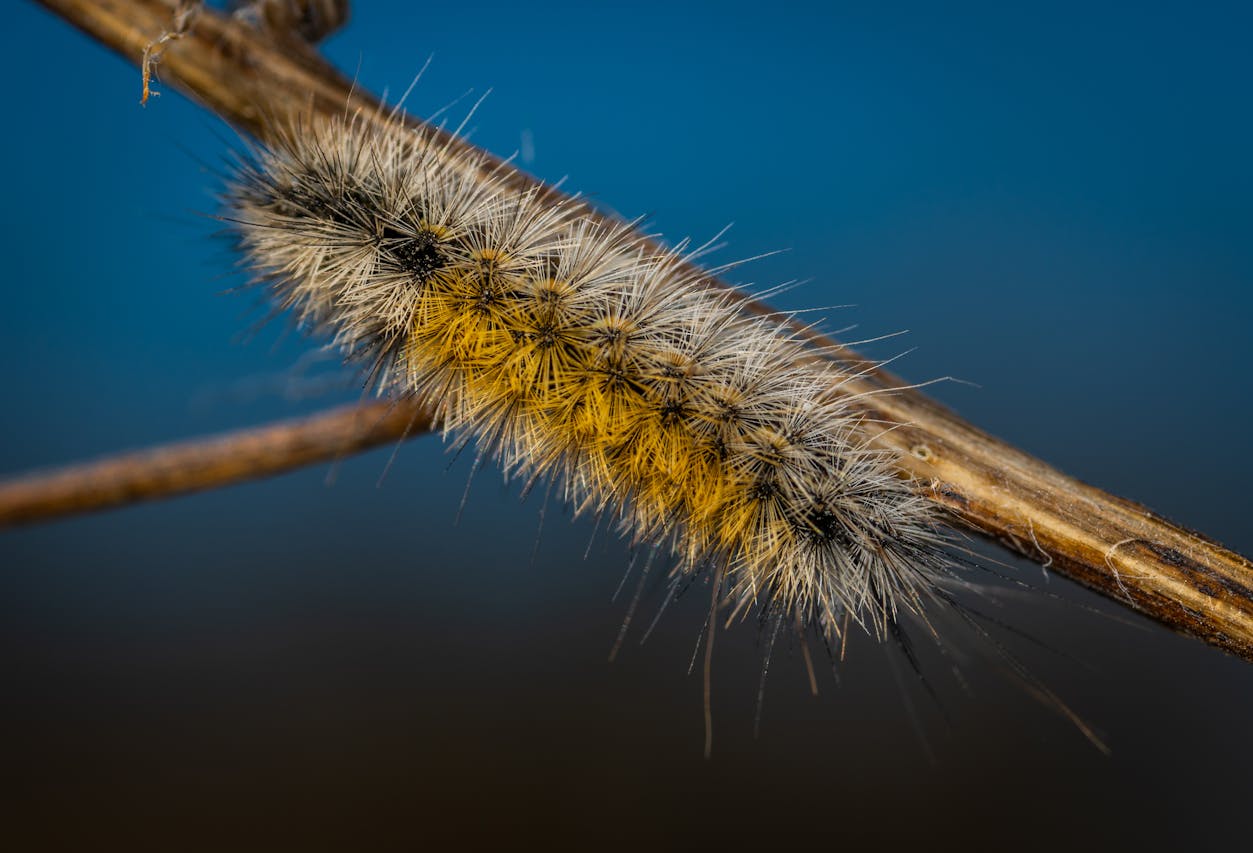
206	463
1112	545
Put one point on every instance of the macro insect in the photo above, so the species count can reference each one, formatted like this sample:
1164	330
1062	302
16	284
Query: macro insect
574	354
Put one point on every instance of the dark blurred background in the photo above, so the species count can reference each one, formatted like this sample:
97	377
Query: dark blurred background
1055	203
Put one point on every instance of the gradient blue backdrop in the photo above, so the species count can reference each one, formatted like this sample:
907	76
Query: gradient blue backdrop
1054	201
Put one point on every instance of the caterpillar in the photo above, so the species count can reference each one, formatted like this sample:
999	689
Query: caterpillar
576	354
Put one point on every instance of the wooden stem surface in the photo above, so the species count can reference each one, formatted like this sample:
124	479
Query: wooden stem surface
193	466
1119	548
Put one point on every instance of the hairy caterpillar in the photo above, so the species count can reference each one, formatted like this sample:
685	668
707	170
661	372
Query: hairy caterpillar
574	353
579	354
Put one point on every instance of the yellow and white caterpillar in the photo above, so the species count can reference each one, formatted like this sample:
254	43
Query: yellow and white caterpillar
573	351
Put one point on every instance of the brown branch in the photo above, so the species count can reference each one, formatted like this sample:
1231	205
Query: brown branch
1112	545
206	463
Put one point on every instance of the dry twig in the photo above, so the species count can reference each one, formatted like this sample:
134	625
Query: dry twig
193	466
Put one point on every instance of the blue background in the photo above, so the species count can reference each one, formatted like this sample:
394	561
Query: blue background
1055	201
